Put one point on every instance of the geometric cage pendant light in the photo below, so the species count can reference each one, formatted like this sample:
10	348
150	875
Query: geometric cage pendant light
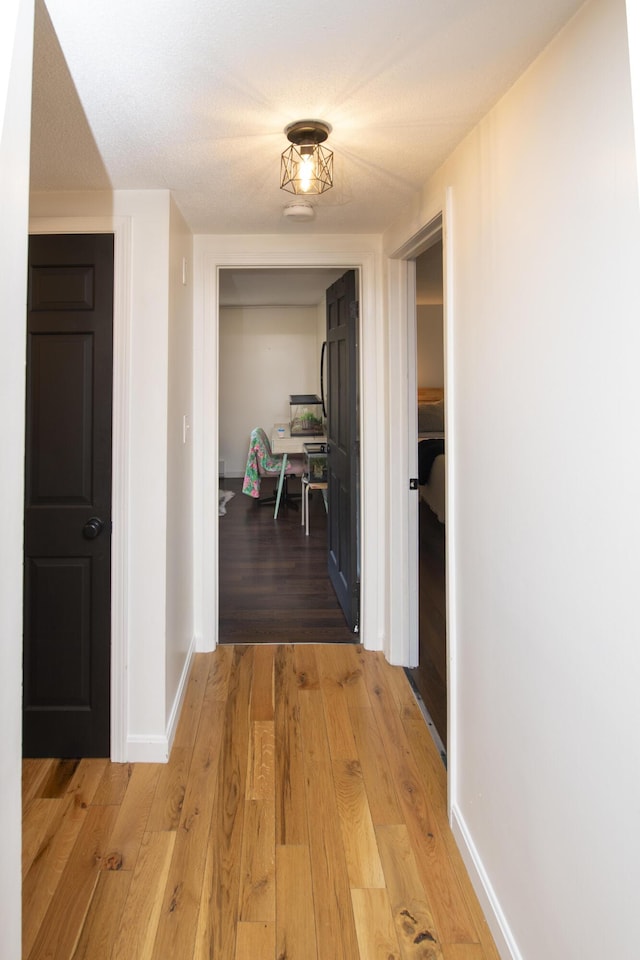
306	167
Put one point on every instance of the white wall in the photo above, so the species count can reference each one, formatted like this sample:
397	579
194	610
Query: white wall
543	252
266	354
179	507
16	49
430	345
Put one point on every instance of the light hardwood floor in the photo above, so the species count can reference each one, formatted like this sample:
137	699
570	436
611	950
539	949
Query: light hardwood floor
302	816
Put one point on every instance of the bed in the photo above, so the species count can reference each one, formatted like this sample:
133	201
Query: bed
431	453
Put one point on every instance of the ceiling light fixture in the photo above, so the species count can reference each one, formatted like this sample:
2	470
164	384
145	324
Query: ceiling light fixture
306	166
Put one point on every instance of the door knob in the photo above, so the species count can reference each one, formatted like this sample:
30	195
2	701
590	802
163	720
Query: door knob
93	528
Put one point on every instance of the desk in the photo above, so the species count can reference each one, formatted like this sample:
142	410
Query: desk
283	443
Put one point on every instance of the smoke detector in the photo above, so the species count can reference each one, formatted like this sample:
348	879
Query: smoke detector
299	211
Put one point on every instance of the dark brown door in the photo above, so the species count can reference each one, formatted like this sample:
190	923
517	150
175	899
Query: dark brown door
67	628
343	445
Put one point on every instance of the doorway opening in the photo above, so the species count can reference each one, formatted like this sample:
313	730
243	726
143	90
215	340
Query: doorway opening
429	677
273	582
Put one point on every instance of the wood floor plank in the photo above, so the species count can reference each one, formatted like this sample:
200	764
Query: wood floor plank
378	778
99	930
261	768
34	774
307	676
333	911
291	804
257	901
197	684
335	929
135	939
133	815
41	818
341	666
220	664
209	677
61	927
114	783
313	728
166	808
415	926
374	925
202	946
47	868
295	923
44	875
433	777
85	783
262	685
256	941
257	895
342	744
179	913
440	879
60	775
220	902
358	834
429	761
463	951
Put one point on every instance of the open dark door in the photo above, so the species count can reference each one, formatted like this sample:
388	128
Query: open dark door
67	626
343	445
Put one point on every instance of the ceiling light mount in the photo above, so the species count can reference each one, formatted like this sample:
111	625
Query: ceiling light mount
306	167
299	210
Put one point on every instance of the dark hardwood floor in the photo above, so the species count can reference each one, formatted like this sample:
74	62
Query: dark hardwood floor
274	586
430	677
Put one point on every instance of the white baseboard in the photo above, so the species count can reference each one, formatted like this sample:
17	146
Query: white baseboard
174	716
505	943
147	748
152	748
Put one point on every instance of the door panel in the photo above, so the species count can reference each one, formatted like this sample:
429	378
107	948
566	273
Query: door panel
67	629
343	445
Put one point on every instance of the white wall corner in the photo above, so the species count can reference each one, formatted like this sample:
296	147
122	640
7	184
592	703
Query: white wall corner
504	940
633	35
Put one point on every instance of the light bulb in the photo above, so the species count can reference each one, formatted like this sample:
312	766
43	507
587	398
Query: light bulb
306	172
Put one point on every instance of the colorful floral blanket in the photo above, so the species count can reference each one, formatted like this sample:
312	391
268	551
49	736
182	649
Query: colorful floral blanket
260	459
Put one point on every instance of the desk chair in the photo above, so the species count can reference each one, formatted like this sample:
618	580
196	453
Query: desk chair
308	485
262	463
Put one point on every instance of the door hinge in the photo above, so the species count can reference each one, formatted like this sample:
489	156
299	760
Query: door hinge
413	483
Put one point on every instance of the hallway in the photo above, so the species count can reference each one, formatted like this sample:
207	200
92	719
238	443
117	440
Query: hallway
302	815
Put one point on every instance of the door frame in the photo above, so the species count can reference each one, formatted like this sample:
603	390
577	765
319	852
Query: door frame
403	453
120	227
212	254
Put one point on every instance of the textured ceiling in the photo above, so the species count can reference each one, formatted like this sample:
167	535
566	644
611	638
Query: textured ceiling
193	96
